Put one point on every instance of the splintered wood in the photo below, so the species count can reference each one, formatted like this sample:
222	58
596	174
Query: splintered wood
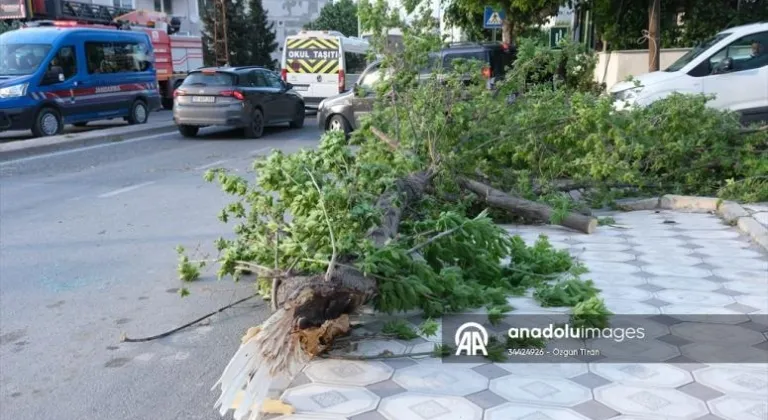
315	340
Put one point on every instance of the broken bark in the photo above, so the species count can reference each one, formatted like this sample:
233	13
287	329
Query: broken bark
317	299
526	208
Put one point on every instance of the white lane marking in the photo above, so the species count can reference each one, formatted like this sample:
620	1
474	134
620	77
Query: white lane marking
210	165
82	149
126	189
256	152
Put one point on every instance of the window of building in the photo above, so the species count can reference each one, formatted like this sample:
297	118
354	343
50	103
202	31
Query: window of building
123	4
117	57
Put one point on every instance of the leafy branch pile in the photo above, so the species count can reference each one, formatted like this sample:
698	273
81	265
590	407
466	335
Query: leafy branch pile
399	216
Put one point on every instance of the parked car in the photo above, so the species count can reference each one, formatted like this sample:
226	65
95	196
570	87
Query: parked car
249	97
732	65
343	112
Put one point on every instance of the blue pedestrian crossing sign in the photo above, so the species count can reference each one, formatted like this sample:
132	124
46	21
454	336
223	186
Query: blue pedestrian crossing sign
492	19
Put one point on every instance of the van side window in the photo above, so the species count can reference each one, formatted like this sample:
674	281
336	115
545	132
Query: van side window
355	63
749	52
66	61
117	57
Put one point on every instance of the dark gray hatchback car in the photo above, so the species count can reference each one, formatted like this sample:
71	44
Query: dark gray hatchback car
244	97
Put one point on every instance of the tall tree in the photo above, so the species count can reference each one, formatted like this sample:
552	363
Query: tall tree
520	14
261	35
336	16
238	33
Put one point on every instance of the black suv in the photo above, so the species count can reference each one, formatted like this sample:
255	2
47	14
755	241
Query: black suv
343	112
246	97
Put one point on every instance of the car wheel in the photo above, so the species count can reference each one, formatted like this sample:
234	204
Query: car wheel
298	119
255	127
139	113
188	130
339	123
47	123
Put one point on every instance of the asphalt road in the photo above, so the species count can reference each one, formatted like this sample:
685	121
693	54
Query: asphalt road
87	242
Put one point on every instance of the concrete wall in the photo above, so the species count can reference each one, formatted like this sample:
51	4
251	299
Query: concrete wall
616	66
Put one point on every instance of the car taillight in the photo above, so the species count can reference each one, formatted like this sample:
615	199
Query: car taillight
178	92
342	81
487	72
284	74
232	93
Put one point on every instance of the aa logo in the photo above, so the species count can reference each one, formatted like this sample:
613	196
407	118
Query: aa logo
471	338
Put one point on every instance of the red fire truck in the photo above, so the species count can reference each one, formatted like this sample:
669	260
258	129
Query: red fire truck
175	54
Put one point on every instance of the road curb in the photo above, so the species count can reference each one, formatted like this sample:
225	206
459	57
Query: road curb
731	212
39	146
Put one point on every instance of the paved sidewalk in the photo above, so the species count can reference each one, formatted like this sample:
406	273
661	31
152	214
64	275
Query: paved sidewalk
696	265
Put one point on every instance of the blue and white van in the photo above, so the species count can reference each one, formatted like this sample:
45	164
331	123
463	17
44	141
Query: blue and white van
52	75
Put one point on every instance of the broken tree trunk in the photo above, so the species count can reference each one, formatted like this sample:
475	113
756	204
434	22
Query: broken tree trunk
318	299
526	208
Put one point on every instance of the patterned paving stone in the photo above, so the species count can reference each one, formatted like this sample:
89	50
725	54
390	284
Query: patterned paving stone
663	249
735	274
601	247
612	267
726	244
757	264
693	297
649	374
414	406
309	417
659	233
700	391
485	399
701	313
531	412
348	372
607	256
739	408
716	251
729	380
549	370
377	347
331	399
436	379
684	283
759	302
630	307
595	410
748	287
599	239
608	279
718	333
675	243
626	292
650	402
542	391
712	234
656	259
676	271
638	350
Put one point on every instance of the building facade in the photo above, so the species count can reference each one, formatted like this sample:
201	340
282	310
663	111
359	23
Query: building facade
188	11
289	17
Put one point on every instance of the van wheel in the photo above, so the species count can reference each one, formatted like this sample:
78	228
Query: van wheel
298	119
139	113
255	127
339	123
47	123
188	130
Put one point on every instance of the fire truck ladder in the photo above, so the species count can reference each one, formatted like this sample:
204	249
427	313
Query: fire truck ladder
79	12
220	44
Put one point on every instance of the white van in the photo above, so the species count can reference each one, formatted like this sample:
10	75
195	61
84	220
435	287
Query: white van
321	64
732	65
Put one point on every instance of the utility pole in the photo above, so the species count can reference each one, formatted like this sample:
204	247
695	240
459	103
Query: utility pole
654	22
220	44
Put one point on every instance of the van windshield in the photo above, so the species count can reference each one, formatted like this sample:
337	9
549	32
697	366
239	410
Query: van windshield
21	59
695	52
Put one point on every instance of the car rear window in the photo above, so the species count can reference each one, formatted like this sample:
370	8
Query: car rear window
210	79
